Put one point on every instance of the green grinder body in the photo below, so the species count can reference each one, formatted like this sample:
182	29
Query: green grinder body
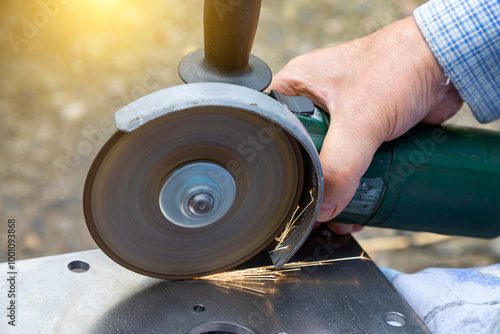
436	179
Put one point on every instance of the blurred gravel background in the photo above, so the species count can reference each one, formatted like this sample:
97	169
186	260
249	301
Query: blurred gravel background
66	66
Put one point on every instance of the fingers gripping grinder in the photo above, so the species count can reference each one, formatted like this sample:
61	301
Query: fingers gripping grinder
201	177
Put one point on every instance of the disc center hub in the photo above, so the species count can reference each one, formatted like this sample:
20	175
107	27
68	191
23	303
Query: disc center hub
197	194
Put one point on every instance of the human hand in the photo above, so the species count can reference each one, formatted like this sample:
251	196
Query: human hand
375	88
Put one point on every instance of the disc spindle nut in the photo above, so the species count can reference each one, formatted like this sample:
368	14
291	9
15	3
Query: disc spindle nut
201	204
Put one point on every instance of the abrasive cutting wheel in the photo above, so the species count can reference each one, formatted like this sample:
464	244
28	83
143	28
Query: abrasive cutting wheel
192	192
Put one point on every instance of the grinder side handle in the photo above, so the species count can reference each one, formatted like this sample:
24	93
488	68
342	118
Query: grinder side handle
229	32
228	42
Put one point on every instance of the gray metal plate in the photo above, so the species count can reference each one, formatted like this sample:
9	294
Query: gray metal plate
346	297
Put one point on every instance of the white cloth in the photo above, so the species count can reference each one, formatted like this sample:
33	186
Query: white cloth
454	301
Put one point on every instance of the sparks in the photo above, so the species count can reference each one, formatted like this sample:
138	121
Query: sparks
290	226
256	280
252	280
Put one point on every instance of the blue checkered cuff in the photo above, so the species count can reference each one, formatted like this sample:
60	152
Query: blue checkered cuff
464	35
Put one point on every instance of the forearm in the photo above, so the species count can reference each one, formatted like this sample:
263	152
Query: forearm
465	38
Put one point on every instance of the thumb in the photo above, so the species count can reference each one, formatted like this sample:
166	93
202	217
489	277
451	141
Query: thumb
347	152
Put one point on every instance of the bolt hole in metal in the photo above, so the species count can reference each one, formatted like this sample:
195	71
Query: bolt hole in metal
198	308
219	328
395	319
79	266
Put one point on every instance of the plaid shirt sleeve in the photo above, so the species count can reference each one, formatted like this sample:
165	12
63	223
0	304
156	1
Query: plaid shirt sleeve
464	35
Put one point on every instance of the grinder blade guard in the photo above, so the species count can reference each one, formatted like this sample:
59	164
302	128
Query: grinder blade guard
245	152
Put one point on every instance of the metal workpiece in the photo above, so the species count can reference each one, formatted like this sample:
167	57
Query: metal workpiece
86	292
230	150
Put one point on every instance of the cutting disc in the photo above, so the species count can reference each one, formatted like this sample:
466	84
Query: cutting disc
193	192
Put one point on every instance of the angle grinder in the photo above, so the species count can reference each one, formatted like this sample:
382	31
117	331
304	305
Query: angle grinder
201	177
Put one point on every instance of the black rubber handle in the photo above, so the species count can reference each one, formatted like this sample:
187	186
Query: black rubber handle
229	27
229	30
